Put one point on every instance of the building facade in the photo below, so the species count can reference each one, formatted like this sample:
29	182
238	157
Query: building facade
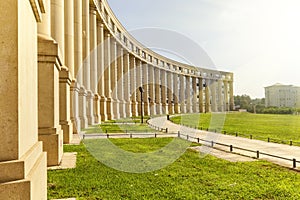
279	95
68	64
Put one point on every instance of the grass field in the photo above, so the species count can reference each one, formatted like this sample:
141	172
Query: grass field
121	126
190	177
283	127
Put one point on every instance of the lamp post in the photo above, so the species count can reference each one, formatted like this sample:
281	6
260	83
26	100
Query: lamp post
141	90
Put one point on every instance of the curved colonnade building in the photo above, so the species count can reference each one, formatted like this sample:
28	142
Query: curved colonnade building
69	64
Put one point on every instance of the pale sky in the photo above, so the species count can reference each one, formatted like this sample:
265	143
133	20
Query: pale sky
257	40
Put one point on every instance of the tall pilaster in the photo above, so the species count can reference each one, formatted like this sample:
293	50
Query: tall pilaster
226	100
207	96
195	93
22	160
201	110
50	132
158	91
126	82
65	104
67	73
94	65
134	110
220	96
113	77
164	91
188	95
101	71
138	70
107	76
231	99
77	58
170	93
151	90
145	85
57	26
182	94
120	81
87	61
77	85
213	89
176	93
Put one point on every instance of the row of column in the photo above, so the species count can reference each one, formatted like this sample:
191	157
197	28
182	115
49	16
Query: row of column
94	78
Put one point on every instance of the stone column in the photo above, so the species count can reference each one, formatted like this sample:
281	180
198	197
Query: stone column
226	103
231	99
164	91
113	76
22	160
207	96
188	95
158	91
194	100
49	66
151	89
170	93
182	94
44	27
79	118
213	90
138	79
65	104
220	96
176	93
57	26
145	87
201	110
86	61
94	65
101	71
126	82
107	77
120	82
134	110
67	74
50	61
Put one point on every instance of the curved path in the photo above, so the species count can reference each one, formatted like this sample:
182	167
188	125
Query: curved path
279	150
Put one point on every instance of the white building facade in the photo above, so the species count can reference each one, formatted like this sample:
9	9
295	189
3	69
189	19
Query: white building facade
280	95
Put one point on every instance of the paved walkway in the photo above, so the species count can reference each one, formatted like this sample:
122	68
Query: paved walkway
280	150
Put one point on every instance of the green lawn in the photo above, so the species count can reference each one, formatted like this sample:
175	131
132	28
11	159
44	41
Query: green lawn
190	177
111	128
283	127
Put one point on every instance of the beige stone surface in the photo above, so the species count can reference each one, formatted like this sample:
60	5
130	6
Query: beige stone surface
68	161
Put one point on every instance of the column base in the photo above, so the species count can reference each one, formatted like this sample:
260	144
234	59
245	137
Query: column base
146	109
82	108
122	109
103	111
158	108
74	96
67	128
134	110
90	110
52	139
25	178
116	110
176	108
165	108
128	109
152	109
171	108
97	116
109	109
182	108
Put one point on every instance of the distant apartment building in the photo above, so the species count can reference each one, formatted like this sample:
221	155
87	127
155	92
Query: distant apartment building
280	95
